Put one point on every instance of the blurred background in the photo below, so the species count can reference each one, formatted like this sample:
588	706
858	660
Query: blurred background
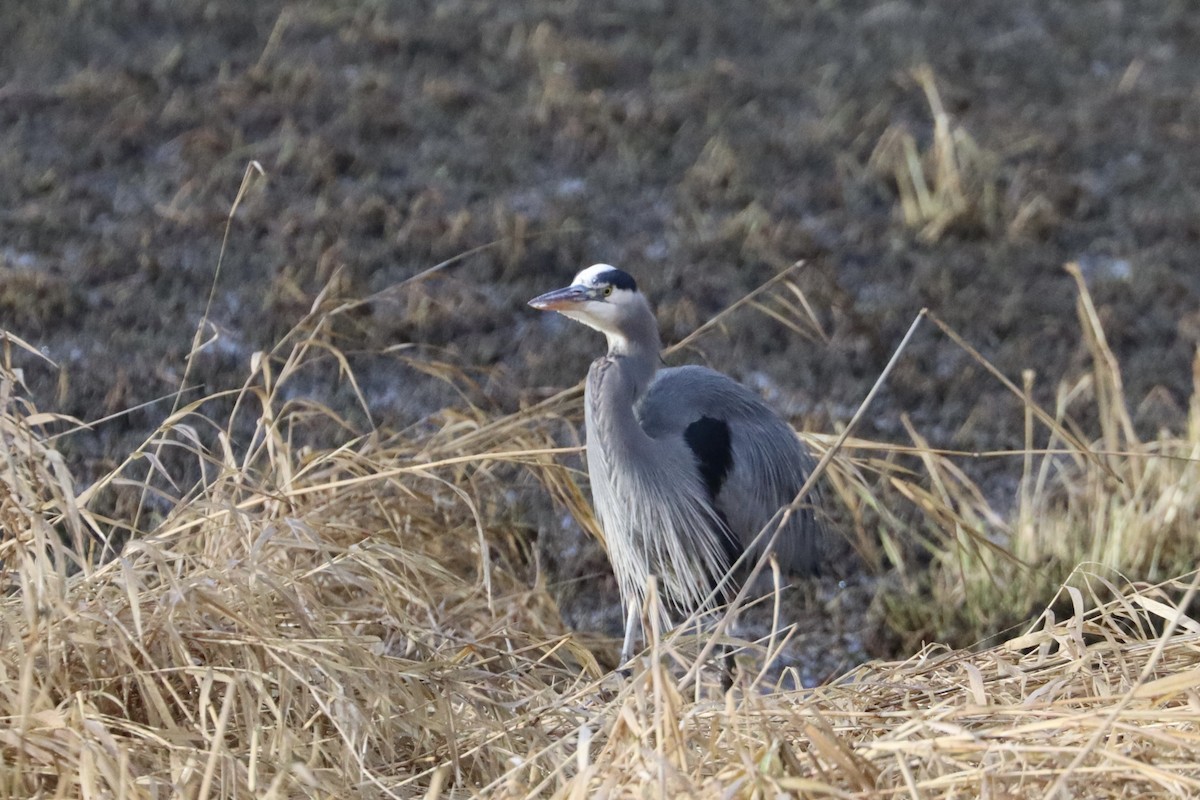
915	154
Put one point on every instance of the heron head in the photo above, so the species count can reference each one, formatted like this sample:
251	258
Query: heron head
601	297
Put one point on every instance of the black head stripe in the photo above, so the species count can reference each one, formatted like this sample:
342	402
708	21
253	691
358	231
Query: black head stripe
619	279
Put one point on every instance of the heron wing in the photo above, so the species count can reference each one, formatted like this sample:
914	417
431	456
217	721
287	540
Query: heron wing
751	460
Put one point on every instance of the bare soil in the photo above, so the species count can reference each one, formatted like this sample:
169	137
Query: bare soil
701	145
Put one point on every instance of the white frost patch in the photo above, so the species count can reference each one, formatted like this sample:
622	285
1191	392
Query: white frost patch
1104	268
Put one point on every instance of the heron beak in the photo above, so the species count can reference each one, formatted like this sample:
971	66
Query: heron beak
560	299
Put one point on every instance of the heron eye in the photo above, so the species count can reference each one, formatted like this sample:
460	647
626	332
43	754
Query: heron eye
607	291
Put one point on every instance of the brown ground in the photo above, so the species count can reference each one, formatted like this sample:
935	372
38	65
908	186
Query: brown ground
702	145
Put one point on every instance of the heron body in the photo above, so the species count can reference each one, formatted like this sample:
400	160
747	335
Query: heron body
686	465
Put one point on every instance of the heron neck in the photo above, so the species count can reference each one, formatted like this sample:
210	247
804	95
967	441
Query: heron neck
616	382
637	356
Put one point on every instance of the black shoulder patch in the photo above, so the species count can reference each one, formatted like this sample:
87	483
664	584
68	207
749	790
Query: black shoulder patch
619	278
709	440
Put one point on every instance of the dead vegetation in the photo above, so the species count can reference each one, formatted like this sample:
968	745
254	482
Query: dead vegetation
946	182
951	185
1106	505
352	621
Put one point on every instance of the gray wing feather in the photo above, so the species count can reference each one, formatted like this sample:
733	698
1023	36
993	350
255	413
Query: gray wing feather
769	463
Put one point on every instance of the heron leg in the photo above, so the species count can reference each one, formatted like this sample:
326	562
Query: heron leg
728	665
631	622
725	655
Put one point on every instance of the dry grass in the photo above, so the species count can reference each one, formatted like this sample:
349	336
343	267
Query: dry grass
953	184
1108	504
348	623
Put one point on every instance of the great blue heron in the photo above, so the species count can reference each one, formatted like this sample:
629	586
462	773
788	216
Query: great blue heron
686	465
